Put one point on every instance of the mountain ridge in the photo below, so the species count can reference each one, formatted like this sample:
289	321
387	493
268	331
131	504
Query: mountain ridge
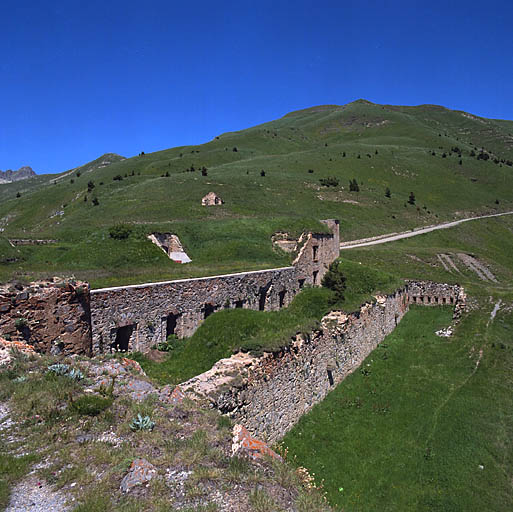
22	173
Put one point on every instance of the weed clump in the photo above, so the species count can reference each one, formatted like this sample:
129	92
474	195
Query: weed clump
90	405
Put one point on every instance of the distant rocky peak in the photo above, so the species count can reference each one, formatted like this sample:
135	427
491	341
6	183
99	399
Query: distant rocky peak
21	174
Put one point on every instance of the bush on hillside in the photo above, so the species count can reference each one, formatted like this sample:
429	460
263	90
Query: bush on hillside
335	280
330	181
120	232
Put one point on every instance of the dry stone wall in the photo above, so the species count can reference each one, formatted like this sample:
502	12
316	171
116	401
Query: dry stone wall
268	395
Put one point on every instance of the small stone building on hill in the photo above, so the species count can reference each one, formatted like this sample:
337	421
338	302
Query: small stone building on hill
211	199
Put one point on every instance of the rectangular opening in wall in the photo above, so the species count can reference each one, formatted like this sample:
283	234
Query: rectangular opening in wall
330	377
281	296
301	283
444	300
315	275
171	322
208	309
122	339
315	250
262	297
239	304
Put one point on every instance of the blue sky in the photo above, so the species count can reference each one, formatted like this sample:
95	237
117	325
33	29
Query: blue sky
82	78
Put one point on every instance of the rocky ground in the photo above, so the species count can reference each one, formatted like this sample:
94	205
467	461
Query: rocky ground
96	434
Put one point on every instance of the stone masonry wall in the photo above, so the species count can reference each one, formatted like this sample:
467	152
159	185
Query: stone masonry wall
51	316
268	395
140	316
186	302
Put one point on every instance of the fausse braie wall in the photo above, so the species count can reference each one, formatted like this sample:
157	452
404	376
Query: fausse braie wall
268	395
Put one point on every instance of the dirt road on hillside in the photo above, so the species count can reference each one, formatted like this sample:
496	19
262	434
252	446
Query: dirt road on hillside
391	237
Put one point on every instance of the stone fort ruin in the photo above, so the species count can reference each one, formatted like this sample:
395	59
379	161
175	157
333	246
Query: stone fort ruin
134	318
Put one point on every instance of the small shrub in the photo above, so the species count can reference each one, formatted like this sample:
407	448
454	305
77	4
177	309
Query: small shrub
95	200
120	232
58	369
90	186
335	280
411	198
223	422
142	423
75	374
20	324
331	181
353	186
90	405
118	177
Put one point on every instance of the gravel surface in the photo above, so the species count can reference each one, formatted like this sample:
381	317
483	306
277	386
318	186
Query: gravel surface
33	495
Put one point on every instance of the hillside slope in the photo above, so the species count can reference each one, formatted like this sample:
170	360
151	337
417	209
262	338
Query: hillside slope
456	164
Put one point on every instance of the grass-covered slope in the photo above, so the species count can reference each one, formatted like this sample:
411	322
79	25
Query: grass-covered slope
425	425
426	150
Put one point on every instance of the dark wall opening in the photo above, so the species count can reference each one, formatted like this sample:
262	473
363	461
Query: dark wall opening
301	283
314	276
123	335
315	250
239	304
281	295
171	321
262	296
208	309
330	377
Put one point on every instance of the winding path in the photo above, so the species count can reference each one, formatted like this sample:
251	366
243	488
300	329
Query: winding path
382	239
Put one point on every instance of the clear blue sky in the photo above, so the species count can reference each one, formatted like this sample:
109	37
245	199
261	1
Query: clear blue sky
82	78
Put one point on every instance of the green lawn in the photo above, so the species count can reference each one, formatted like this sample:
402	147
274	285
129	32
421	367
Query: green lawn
423	429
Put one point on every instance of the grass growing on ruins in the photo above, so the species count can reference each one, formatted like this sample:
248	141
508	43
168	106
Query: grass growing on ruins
424	425
229	331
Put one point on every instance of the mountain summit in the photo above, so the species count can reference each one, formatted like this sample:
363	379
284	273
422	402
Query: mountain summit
22	173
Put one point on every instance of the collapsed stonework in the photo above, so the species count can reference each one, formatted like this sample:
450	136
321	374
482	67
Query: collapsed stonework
269	394
211	199
171	245
52	316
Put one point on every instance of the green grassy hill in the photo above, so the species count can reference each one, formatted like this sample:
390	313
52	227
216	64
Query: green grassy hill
429	150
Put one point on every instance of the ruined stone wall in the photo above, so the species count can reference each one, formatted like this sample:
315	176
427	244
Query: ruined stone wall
268	395
430	293
317	251
150	311
51	316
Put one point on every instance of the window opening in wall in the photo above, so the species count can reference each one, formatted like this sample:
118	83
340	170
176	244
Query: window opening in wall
314	276
422	299
301	283
171	321
281	296
262	297
444	300
122	340
429	300
396	319
452	300
208	309
315	250
239	303
330	377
